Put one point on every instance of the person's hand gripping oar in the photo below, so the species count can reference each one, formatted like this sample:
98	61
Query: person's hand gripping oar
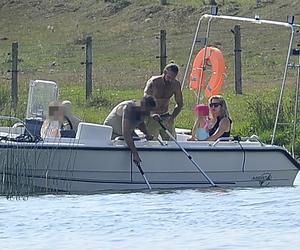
159	120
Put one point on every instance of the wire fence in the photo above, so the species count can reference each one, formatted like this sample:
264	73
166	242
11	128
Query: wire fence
128	62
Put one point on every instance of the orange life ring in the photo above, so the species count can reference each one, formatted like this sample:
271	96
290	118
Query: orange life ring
214	57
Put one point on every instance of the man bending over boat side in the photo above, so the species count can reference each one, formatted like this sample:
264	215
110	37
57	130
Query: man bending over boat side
163	88
126	117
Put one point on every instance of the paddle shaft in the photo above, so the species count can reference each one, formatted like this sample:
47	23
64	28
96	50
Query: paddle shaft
187	154
143	174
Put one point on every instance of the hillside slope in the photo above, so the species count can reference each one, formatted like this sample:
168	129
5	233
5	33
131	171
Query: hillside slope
51	34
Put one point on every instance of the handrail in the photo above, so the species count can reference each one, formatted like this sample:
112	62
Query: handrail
5	117
251	20
222	139
252	138
257	139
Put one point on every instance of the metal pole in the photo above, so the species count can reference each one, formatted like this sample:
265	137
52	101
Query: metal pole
283	83
163	50
237	60
258	3
191	52
187	154
204	59
14	74
89	67
163	2
296	108
143	174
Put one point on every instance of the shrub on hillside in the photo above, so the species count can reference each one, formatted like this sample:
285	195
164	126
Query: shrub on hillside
261	113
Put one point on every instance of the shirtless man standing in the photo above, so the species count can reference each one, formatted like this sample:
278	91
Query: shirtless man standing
162	88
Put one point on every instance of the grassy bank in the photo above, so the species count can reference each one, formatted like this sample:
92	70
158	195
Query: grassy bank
252	113
51	35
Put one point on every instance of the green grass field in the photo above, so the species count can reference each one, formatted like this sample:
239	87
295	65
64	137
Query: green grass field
252	113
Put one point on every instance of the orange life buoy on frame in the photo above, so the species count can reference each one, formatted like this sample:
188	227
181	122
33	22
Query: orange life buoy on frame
208	56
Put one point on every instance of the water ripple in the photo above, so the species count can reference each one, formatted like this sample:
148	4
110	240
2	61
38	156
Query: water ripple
266	218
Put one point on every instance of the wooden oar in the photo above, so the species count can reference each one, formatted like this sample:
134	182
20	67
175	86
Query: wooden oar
186	153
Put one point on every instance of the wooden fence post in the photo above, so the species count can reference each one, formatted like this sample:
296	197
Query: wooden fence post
238	60
163	50
163	2
258	3
89	67
14	74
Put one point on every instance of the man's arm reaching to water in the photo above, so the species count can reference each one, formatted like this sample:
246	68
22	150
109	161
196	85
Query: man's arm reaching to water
127	130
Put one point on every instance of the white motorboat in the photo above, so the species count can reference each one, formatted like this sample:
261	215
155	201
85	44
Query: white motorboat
92	162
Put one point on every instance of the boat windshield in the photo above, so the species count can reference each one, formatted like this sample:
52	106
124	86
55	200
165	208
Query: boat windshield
41	93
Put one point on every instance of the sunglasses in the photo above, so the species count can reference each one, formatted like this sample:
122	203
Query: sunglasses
215	105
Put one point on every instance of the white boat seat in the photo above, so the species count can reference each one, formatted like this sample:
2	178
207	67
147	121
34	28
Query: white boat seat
94	133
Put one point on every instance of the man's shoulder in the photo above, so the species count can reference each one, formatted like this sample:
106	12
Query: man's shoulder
177	83
155	79
123	103
128	104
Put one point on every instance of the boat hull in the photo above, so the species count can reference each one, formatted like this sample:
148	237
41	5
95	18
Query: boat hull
78	169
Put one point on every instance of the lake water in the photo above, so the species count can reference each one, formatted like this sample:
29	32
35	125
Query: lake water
263	218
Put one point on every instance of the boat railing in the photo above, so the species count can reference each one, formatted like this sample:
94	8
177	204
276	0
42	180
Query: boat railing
4	117
252	138
290	25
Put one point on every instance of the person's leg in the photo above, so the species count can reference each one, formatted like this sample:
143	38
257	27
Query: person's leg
171	127
152	126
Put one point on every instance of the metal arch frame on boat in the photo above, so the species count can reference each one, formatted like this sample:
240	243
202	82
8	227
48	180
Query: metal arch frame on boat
258	21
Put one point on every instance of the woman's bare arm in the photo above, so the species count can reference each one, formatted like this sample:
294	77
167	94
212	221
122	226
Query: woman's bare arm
223	127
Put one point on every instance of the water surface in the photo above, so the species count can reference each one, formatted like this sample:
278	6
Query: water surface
262	218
